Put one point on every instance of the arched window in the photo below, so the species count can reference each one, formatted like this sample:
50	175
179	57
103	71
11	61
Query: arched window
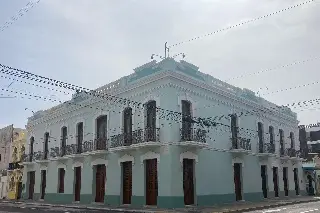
292	142
79	137
46	146
151	118
31	149
101	132
186	131
281	137
271	138
64	136
260	137
234	130
127	126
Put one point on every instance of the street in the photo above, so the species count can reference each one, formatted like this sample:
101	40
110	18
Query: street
297	208
25	208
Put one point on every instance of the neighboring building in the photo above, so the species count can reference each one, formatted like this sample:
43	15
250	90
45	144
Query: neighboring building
15	169
5	145
94	150
309	137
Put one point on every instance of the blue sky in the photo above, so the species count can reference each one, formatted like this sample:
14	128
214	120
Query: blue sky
91	43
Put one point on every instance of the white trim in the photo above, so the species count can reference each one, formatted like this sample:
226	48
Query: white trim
43	168
188	155
99	161
126	158
237	160
63	166
77	164
150	155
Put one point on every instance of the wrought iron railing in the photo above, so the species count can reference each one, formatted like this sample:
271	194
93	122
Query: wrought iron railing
138	136
193	134
284	152
293	153
240	143
101	144
267	148
71	149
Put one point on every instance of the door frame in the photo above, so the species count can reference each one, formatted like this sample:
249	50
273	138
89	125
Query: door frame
194	179
266	177
240	180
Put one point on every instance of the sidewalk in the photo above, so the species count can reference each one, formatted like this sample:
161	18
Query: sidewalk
233	207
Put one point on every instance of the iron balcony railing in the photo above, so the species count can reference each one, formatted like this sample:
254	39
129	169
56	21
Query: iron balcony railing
138	136
240	143
293	153
267	148
101	144
284	152
193	134
71	149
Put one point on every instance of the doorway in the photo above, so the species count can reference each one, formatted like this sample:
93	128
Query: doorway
285	181
126	182
19	190
296	180
43	183
237	181
275	181
188	181
151	182
77	183
100	183
31	184
264	179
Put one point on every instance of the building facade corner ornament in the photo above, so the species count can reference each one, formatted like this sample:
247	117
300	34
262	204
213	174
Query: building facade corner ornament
150	155
188	155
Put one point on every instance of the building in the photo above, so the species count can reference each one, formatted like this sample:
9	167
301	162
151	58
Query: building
15	169
5	145
117	151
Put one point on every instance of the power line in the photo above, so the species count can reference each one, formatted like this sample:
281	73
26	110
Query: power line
243	23
275	68
20	13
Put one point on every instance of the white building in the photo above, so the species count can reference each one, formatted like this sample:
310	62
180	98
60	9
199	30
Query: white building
122	152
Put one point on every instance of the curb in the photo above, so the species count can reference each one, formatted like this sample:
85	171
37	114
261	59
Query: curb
270	206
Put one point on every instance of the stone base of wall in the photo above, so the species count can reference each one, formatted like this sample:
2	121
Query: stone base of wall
162	202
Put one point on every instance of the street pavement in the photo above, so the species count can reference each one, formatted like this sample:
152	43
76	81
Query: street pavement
23	208
311	207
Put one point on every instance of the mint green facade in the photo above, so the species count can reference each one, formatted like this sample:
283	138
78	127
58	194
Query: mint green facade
168	83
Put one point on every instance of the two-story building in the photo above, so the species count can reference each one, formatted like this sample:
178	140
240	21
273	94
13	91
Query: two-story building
166	135
15	169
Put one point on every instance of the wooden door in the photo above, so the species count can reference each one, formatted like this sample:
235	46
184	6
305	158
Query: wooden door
100	183
285	181
264	181
296	180
19	190
275	182
151	182
188	178
77	183
31	184
237	181
61	180
126	182
43	183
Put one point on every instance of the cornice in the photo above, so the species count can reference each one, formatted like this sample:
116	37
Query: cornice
230	96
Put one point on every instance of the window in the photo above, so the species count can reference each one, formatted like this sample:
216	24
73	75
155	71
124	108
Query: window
234	130
260	136
281	141
186	120
64	136
0	157
46	145
271	134
101	132
127	126
61	174
31	149
292	140
79	137
150	125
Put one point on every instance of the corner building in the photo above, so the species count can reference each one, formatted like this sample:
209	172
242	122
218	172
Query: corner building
93	150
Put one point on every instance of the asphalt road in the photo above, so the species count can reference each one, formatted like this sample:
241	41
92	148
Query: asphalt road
311	207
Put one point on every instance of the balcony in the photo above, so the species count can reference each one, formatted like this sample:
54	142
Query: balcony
41	157
266	150
240	145
28	159
284	153
293	153
72	151
194	137
138	138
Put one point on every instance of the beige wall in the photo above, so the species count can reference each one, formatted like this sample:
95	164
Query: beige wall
5	146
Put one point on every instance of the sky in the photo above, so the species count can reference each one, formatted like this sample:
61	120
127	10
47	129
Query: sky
94	42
